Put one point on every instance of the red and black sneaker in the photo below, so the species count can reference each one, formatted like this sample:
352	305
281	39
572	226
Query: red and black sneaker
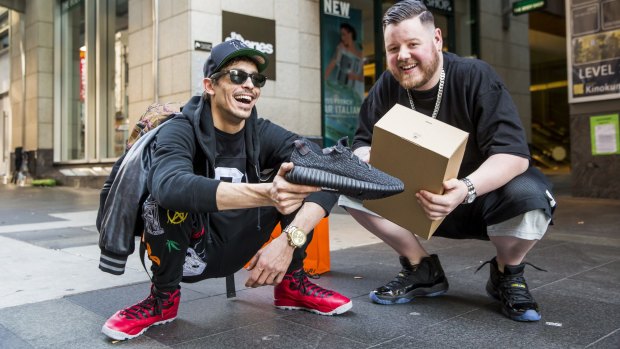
158	308
296	292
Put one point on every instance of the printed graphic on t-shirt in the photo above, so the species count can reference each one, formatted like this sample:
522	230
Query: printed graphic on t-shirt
231	167
229	174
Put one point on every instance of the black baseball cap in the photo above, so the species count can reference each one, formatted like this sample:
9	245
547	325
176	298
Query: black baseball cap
227	50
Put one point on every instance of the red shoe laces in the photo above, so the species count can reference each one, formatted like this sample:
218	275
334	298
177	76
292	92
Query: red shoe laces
305	286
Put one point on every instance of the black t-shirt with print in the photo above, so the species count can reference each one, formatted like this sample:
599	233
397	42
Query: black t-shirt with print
230	166
474	100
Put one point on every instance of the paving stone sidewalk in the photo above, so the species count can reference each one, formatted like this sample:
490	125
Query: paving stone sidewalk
578	295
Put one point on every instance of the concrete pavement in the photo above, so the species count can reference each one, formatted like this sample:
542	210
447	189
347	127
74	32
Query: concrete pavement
48	250
53	295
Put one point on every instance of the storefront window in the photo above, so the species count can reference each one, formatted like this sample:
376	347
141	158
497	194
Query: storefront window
93	77
73	53
4	25
116	119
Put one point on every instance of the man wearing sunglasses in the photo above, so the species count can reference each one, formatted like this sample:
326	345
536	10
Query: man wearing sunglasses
217	191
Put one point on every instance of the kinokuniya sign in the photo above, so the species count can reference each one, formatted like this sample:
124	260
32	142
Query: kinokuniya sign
593	49
257	33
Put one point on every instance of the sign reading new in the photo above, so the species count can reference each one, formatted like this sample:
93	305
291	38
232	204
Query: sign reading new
336	8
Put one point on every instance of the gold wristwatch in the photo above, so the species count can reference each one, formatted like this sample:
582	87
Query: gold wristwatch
296	237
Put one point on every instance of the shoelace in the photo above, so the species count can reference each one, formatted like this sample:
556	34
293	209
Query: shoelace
528	263
515	287
401	279
144	308
308	288
341	149
311	274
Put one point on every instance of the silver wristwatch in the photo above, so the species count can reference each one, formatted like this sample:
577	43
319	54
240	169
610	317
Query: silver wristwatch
471	191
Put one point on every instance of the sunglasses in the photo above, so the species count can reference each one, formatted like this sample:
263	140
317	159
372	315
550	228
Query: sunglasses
238	77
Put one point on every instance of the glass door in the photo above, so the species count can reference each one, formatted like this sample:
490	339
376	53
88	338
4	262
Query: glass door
91	123
74	56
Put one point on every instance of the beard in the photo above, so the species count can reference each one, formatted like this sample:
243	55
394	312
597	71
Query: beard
415	81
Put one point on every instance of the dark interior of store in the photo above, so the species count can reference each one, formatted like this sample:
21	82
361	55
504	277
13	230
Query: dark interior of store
550	143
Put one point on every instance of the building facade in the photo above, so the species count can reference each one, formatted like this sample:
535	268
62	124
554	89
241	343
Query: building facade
81	72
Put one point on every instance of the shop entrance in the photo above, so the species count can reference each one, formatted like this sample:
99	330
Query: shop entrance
4	138
550	140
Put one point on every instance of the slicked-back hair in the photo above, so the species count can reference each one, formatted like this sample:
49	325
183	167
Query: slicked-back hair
407	9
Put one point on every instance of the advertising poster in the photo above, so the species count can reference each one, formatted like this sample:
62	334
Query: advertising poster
605	134
342	69
594	49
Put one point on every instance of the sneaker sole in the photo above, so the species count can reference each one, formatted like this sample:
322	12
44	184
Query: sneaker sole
528	316
341	309
121	336
407	297
343	185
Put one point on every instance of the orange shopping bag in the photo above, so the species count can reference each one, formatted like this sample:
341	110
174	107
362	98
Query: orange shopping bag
317	253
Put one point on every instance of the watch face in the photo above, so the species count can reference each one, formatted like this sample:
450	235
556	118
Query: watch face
298	238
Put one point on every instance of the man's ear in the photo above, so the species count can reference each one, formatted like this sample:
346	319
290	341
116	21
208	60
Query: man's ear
208	84
438	40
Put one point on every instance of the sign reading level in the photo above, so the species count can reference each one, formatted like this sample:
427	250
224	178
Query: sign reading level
524	6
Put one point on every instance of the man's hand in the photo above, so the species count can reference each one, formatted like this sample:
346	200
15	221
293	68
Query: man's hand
363	153
438	206
285	196
270	263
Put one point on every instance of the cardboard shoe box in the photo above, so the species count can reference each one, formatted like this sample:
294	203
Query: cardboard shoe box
422	152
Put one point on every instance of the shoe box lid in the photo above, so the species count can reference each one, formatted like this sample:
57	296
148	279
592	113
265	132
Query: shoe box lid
422	152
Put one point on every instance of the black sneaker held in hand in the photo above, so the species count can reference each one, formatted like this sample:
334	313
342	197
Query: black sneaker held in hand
338	169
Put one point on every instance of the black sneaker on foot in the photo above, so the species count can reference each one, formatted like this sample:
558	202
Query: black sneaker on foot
426	279
511	290
338	169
